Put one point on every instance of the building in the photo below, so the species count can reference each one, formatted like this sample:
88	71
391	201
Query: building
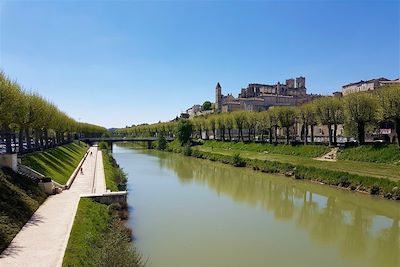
393	82
192	111
363	86
258	97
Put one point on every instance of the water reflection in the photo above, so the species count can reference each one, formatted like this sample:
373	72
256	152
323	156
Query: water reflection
357	226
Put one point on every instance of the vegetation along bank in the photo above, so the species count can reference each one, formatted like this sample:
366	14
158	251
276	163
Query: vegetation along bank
57	163
384	187
20	197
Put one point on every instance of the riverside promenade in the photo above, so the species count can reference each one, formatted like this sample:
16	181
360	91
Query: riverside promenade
44	238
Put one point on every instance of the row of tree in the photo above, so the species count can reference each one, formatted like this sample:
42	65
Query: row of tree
35	121
358	112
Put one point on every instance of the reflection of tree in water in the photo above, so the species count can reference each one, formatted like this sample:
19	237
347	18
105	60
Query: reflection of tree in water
327	222
387	246
288	199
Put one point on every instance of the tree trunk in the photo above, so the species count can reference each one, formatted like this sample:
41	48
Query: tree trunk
305	134
229	133
46	138
14	138
41	138
287	135
330	134
248	134
7	136
20	139
28	138
361	132
312	133
270	135
397	127
334	134
276	134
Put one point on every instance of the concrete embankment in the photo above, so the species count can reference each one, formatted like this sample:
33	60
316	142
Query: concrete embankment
43	240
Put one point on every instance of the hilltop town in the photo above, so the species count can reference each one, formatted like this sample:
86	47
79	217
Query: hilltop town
259	97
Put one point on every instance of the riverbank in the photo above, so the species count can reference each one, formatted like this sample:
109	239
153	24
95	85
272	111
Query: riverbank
43	239
19	199
99	236
300	167
57	163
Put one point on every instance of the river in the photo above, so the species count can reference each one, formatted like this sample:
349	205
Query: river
193	212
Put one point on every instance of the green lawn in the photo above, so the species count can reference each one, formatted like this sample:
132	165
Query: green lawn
115	177
100	238
58	163
309	151
19	199
91	221
381	154
109	172
379	170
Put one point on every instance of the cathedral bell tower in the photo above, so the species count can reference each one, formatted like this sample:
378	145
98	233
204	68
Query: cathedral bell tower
218	98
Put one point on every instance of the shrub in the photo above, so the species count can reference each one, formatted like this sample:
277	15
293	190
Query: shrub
187	150
374	189
238	161
103	145
161	142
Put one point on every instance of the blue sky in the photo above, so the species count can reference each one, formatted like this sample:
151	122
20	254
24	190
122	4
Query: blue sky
116	63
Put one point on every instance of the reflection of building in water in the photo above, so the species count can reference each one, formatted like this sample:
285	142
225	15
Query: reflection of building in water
257	97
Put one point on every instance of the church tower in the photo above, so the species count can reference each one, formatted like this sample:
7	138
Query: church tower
218	98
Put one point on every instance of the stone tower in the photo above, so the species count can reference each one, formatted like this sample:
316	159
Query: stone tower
218	98
300	82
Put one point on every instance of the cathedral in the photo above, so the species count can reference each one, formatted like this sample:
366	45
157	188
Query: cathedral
258	97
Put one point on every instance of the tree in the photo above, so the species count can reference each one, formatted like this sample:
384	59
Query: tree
251	123
389	99
361	109
9	101
263	123
212	122
330	113
286	118
307	117
220	121
228	121
161	142
273	124
184	129
239	118
207	105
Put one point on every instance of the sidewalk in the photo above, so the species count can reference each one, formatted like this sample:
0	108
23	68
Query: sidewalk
43	239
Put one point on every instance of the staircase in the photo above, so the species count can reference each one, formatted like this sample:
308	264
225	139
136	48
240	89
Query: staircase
29	173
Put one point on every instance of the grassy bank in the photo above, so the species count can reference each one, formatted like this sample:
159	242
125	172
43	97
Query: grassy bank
19	199
309	151
376	186
297	167
115	177
378	170
98	238
379	153
58	163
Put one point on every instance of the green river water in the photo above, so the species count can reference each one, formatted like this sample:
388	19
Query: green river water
192	212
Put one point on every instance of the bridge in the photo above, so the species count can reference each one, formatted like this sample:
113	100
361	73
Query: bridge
111	140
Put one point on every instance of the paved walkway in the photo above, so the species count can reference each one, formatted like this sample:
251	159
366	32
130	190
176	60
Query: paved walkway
43	240
99	180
